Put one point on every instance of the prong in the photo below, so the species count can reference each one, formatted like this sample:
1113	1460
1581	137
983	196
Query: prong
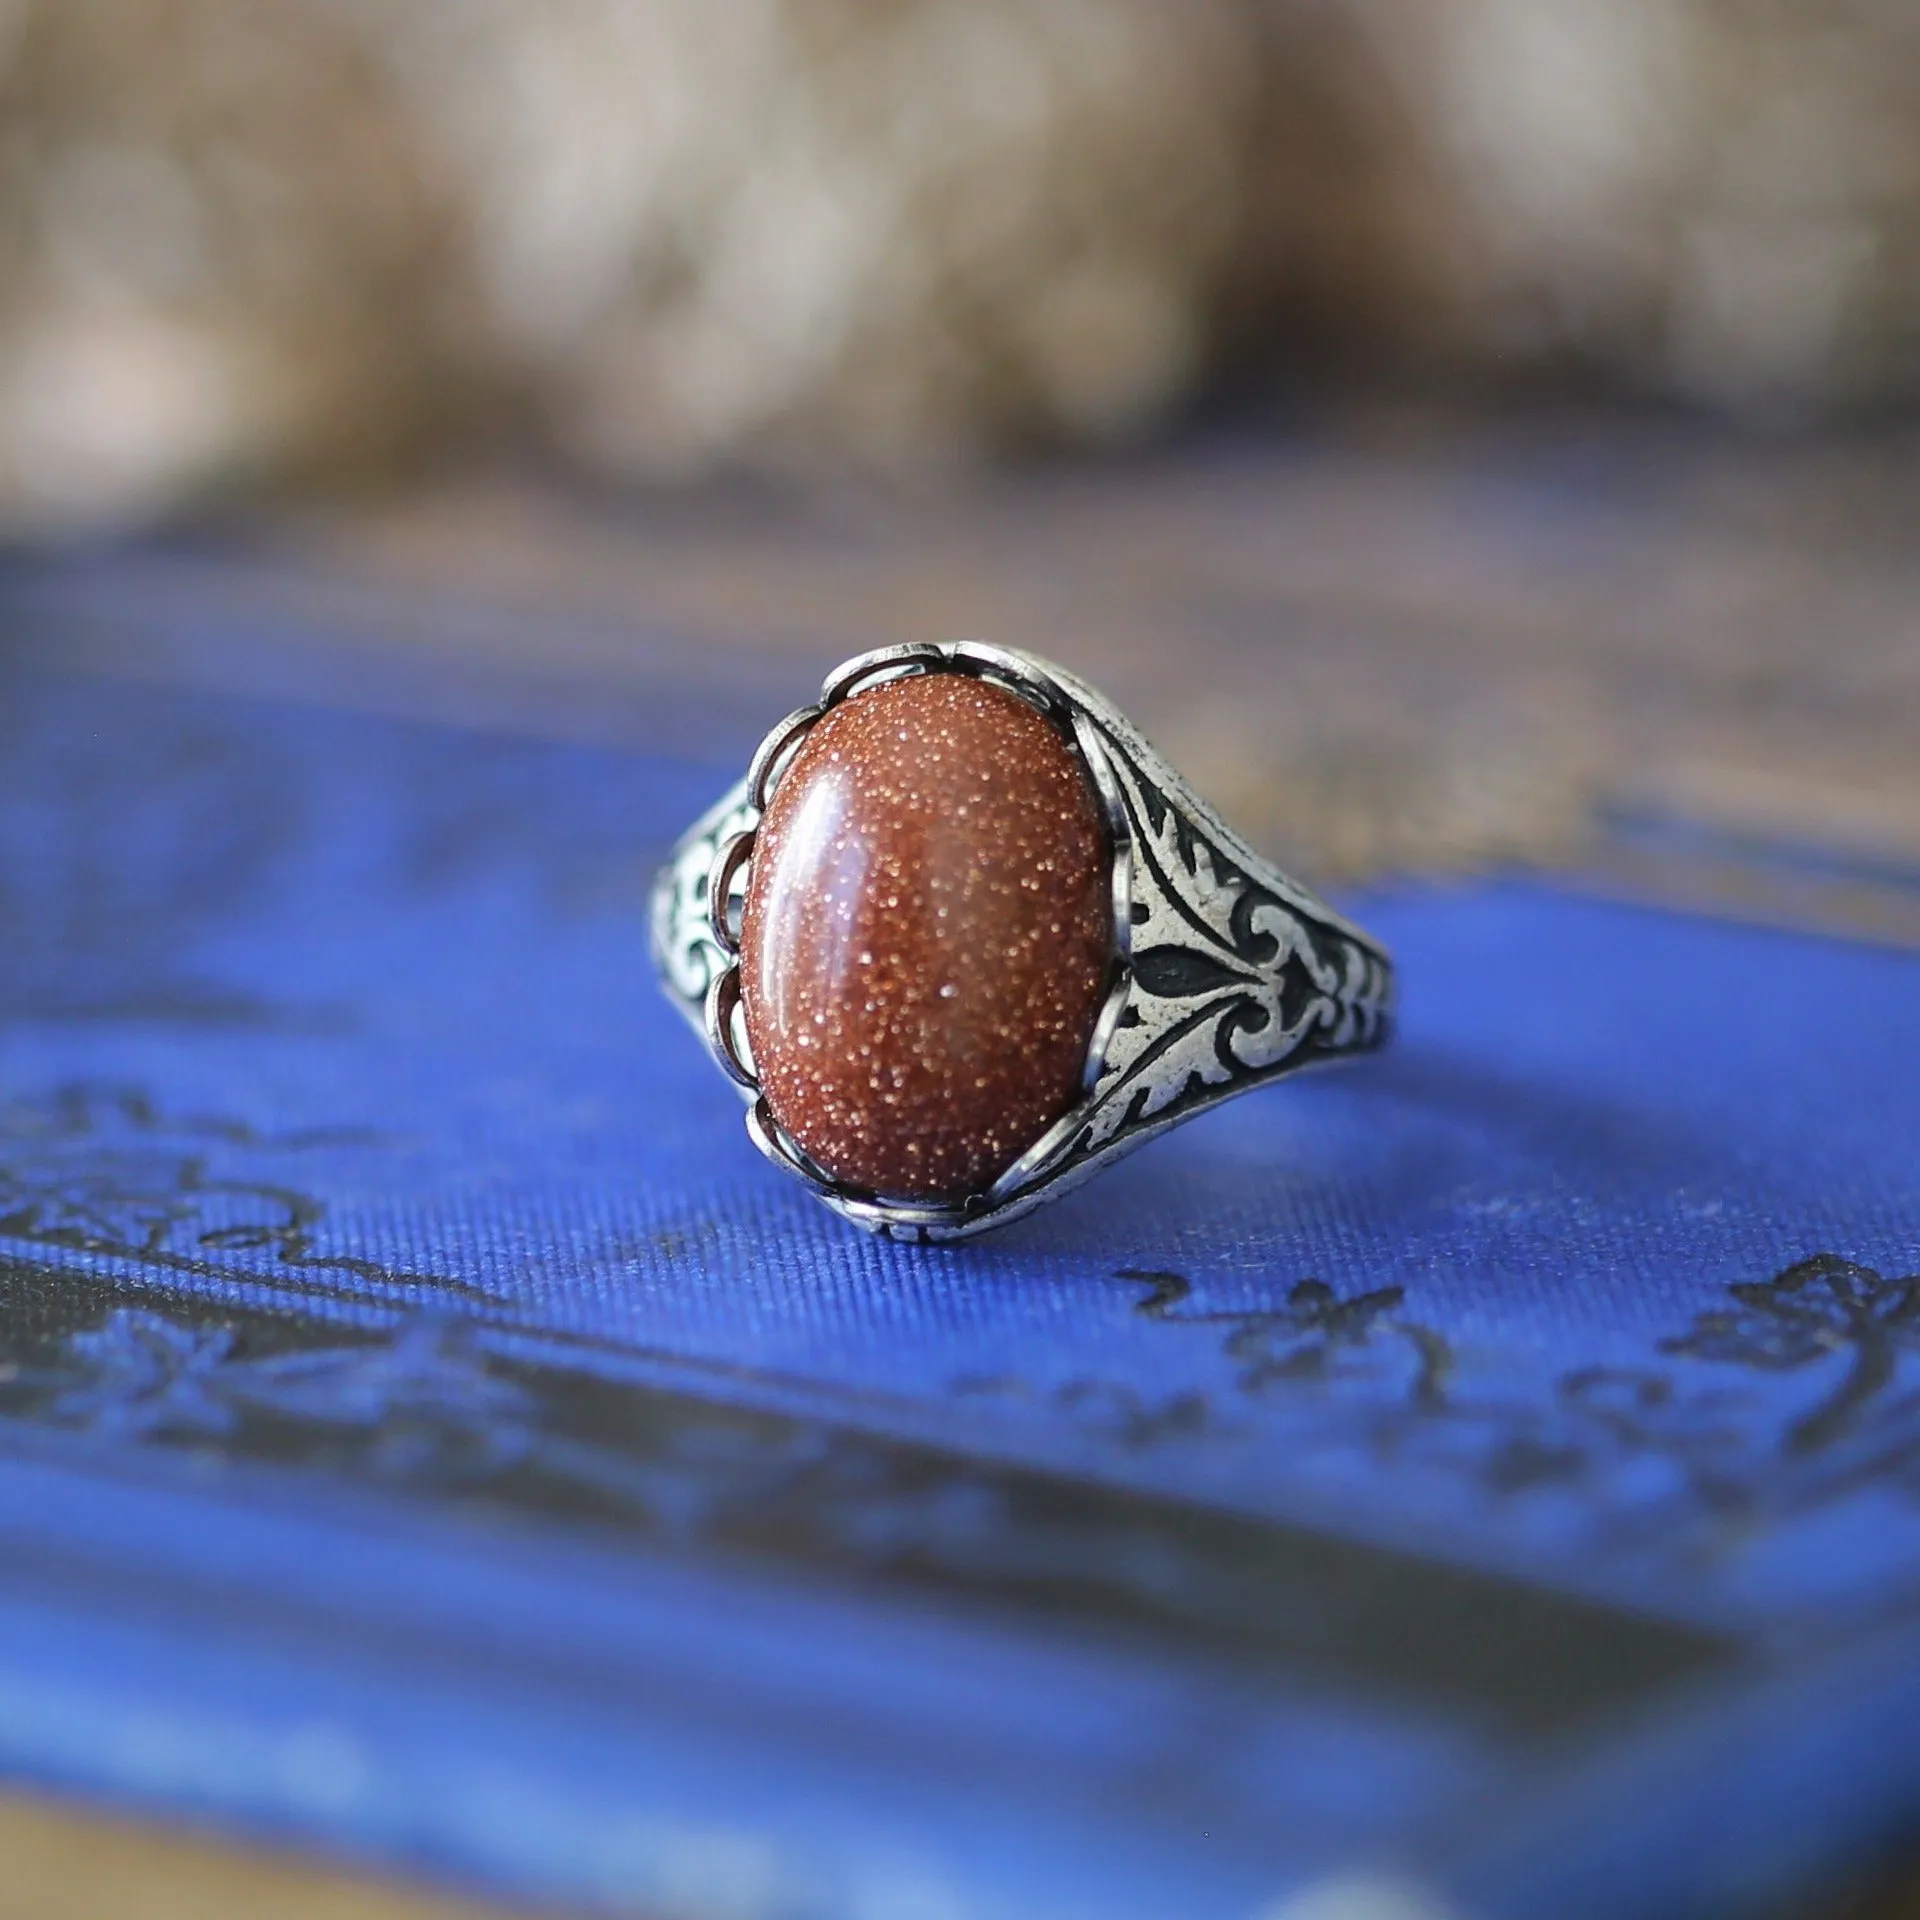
1033	1165
729	857
1039	1160
770	757
899	1219
784	1150
727	1043
1020	676
764	1131
1093	755
883	663
1106	1027
902	1219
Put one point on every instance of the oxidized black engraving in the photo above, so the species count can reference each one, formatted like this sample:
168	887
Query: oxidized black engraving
433	1406
1232	983
1230	973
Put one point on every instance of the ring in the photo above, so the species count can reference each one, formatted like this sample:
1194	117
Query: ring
962	937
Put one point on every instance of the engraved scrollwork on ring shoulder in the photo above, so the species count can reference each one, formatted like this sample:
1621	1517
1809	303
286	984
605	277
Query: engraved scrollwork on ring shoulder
1237	972
1226	974
685	951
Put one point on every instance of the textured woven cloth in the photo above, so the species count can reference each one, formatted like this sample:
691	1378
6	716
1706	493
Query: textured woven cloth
428	1430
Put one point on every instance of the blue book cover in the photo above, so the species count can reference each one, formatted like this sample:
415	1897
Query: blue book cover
1484	1482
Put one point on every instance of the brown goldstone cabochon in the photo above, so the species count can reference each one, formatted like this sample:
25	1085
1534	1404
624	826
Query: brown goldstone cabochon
927	937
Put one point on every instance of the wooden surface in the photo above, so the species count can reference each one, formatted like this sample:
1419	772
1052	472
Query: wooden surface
60	1864
1576	646
1625	652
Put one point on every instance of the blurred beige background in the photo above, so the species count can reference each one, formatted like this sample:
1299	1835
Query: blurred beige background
249	242
1564	353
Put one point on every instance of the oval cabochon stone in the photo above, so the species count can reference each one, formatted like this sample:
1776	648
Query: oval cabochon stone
927	937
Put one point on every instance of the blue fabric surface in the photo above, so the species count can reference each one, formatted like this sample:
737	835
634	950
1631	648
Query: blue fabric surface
428	1427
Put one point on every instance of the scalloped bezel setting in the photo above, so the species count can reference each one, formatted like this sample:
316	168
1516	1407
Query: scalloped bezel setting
1225	973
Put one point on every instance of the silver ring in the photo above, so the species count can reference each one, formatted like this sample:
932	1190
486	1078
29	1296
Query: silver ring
1006	806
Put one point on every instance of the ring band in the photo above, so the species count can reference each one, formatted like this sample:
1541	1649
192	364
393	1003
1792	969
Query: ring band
962	937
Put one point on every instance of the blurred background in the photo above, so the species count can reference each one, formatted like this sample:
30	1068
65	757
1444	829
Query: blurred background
1474	432
247	243
1469	434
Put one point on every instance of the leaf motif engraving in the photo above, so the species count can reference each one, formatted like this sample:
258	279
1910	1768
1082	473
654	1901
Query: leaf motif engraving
1182	973
1228	980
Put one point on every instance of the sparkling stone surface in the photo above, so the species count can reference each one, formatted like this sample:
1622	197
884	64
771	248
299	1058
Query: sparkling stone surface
927	936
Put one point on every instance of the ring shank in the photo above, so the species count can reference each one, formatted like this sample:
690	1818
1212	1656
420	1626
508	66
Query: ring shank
1233	972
